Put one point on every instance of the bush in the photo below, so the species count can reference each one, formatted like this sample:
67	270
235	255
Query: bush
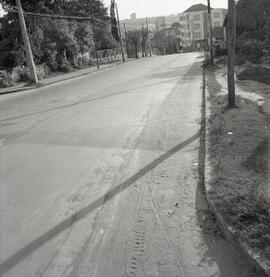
20	74
42	71
65	66
240	60
5	80
252	50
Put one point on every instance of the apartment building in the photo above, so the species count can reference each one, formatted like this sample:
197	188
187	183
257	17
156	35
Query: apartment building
195	26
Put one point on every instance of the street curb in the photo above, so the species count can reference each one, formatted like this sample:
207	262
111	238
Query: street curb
10	90
41	85
257	262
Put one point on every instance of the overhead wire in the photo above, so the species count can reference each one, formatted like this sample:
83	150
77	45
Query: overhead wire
58	16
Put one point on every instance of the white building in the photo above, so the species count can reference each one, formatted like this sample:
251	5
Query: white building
195	25
133	16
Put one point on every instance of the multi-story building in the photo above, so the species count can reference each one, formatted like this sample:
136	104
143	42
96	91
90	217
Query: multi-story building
195	26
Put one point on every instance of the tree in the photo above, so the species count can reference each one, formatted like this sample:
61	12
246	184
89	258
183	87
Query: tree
176	26
144	40
114	28
166	41
253	32
57	42
252	17
135	37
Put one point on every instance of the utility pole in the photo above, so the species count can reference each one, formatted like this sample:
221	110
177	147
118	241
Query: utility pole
126	37
149	38
143	45
231	53
94	30
120	35
26	41
211	32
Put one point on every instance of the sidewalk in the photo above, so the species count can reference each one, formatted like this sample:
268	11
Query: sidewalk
236	165
59	78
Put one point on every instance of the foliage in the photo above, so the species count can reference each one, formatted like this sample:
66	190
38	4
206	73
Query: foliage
165	41
135	38
57	42
252	17
5	81
114	28
253	50
253	29
144	39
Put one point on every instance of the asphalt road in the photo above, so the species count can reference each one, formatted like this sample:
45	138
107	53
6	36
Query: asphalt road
99	177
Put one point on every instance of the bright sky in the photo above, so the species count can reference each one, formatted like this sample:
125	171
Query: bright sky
148	8
1	11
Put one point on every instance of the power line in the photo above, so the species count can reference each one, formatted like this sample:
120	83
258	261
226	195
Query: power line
58	16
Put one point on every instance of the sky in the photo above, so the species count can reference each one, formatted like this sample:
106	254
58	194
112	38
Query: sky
148	8
1	11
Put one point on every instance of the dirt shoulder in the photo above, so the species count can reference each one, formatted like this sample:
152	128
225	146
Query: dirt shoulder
238	154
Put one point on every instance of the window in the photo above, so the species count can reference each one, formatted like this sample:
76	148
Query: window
216	15
181	18
197	17
217	24
197	26
197	35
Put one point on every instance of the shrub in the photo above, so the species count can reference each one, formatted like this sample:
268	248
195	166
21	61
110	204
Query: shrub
20	74
240	60
5	80
252	50
65	66
42	71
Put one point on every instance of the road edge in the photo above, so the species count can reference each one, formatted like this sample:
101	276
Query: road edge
41	85
257	262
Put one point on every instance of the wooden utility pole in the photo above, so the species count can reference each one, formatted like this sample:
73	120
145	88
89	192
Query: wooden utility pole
231	53
26	41
94	36
210	32
126	37
120	35
142	44
149	38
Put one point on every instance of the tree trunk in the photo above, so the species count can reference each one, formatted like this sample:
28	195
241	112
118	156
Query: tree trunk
136	50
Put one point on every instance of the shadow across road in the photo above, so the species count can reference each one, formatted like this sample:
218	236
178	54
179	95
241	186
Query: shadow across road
88	100
27	250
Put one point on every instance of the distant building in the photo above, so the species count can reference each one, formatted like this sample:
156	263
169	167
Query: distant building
154	23
195	26
133	16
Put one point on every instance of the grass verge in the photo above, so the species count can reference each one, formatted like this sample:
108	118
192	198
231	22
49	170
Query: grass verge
239	151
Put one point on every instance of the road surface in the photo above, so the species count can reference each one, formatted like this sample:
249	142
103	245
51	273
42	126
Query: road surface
99	177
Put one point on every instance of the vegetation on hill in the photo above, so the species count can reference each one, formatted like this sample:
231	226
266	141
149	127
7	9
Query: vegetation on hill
253	29
58	43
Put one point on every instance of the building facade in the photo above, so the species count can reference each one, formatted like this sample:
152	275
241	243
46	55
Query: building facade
194	25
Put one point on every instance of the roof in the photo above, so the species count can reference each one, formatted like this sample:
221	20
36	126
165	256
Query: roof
196	8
